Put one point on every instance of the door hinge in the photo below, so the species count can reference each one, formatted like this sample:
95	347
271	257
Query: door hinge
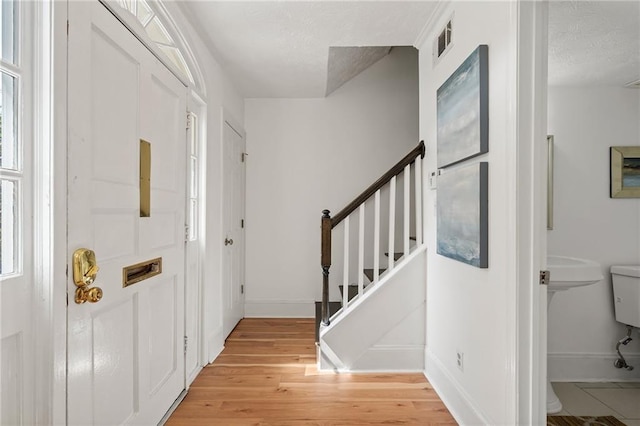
243	156
188	121
186	340
67	27
186	233
545	276
241	223
242	289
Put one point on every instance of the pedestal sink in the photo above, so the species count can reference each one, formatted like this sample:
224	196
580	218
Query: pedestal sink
567	273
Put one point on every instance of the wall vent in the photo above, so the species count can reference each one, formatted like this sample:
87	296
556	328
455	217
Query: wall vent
444	39
443	42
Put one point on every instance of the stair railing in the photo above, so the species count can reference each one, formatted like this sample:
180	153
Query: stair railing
328	223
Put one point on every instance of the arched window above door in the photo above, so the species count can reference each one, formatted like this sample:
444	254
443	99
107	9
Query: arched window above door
162	32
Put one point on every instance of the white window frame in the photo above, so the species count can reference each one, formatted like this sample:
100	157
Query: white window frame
19	71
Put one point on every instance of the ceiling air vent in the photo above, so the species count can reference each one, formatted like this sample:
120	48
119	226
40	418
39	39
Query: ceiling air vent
633	84
444	39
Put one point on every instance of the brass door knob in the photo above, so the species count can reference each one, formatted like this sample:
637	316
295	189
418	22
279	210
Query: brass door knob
85	270
91	295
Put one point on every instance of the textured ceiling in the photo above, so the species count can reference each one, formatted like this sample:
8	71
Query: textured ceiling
347	62
281	48
594	43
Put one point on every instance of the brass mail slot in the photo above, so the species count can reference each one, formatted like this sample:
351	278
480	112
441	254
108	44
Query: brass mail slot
145	178
141	271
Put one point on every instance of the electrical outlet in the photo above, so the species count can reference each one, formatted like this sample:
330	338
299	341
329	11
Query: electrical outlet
460	360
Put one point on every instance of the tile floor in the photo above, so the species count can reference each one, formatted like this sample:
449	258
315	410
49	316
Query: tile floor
618	399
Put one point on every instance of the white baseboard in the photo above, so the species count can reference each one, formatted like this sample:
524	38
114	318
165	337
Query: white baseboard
391	359
215	345
591	367
458	402
279	309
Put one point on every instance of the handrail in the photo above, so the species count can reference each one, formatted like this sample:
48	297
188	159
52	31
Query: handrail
328	223
384	179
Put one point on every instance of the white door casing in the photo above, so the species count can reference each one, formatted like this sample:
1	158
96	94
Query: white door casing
125	353
233	225
193	289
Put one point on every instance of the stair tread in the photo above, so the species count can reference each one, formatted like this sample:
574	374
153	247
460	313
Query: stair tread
396	255
369	273
353	291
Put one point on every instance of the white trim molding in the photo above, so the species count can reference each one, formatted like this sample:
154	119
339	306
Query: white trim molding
458	402
529	111
592	367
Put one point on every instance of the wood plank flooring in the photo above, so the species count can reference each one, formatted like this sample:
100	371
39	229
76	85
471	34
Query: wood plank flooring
267	375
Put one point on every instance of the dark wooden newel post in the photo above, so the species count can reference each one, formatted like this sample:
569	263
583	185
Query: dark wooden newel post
325	262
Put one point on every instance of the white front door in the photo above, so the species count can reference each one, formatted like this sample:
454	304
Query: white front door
234	195
125	352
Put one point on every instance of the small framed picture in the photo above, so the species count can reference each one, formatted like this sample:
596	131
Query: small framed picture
625	171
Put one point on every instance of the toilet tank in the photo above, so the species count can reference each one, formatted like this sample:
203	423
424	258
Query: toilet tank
626	294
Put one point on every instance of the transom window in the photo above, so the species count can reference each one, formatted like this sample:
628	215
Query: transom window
157	32
11	167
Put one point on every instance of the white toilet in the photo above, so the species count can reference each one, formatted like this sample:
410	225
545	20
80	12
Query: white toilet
626	302
626	294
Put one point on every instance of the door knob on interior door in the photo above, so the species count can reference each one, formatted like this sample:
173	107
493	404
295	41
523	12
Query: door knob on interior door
228	242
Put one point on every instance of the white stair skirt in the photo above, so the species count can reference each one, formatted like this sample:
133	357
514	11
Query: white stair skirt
384	330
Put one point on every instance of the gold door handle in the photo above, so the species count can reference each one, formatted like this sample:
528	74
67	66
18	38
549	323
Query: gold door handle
228	242
85	270
91	295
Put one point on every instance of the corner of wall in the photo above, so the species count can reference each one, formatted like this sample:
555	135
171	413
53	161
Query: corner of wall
459	403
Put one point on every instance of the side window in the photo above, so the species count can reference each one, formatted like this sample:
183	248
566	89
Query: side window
11	170
194	178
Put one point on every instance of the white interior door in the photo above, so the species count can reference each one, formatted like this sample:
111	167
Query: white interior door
125	352
234	196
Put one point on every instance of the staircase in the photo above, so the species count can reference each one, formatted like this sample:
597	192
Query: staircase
378	323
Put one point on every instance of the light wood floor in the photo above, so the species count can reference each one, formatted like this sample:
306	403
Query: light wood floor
267	375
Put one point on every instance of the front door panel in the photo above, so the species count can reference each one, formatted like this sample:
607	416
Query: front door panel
125	352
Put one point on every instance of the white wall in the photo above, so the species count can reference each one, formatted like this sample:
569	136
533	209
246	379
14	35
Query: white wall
583	332
220	94
306	155
473	310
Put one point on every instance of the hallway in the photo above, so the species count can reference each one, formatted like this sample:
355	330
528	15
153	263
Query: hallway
267	375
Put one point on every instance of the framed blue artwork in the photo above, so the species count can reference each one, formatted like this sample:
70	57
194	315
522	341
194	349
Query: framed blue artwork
462	214
463	110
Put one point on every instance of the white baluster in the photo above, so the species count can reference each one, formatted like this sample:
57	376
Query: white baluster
392	221
407	208
418	201
345	277
361	251
376	238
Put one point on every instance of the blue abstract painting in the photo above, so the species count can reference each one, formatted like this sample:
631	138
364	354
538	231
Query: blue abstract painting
463	111
462	214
